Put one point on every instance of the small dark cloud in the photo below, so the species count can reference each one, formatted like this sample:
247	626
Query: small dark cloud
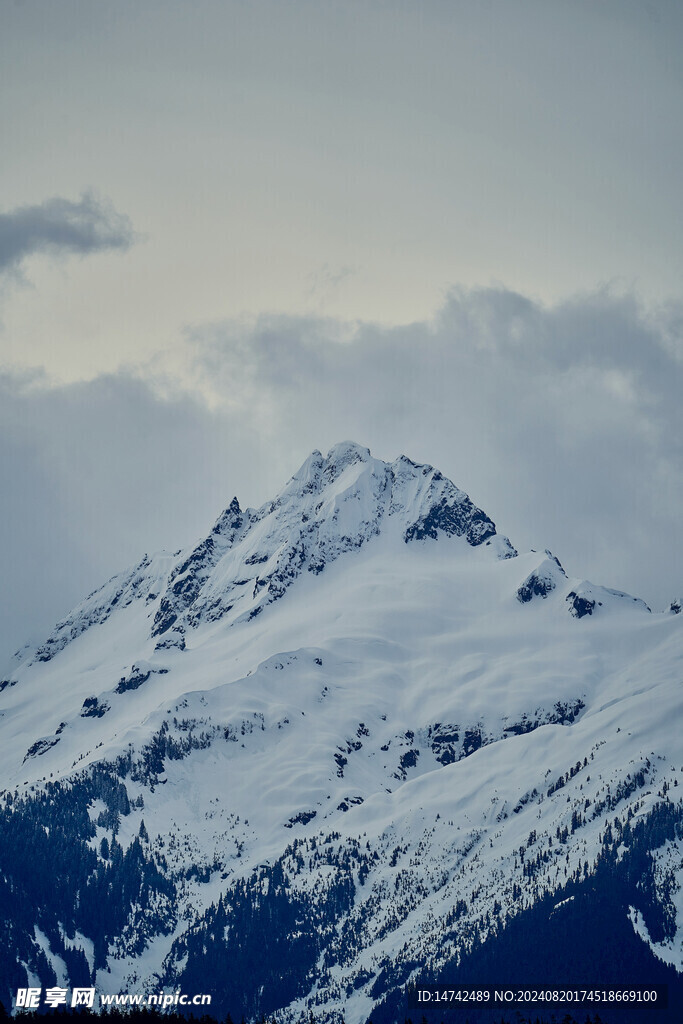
59	226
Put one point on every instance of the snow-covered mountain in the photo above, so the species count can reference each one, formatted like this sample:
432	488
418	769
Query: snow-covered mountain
350	739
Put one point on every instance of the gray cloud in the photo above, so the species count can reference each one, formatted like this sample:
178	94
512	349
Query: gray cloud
58	226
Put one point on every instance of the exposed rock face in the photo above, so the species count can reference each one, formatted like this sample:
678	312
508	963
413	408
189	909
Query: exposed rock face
543	580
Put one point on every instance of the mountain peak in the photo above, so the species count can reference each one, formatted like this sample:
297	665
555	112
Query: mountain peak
332	506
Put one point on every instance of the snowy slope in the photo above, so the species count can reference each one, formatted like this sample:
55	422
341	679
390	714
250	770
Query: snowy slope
362	697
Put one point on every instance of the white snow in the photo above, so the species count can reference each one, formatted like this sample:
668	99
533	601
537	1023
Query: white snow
326	692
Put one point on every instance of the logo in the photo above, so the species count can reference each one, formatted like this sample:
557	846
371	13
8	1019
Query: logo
29	998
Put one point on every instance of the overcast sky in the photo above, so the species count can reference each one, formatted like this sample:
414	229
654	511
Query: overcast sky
232	232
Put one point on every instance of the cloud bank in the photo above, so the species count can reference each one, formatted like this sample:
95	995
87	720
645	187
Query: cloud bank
58	226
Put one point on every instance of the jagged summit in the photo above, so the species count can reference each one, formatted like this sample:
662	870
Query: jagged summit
332	505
